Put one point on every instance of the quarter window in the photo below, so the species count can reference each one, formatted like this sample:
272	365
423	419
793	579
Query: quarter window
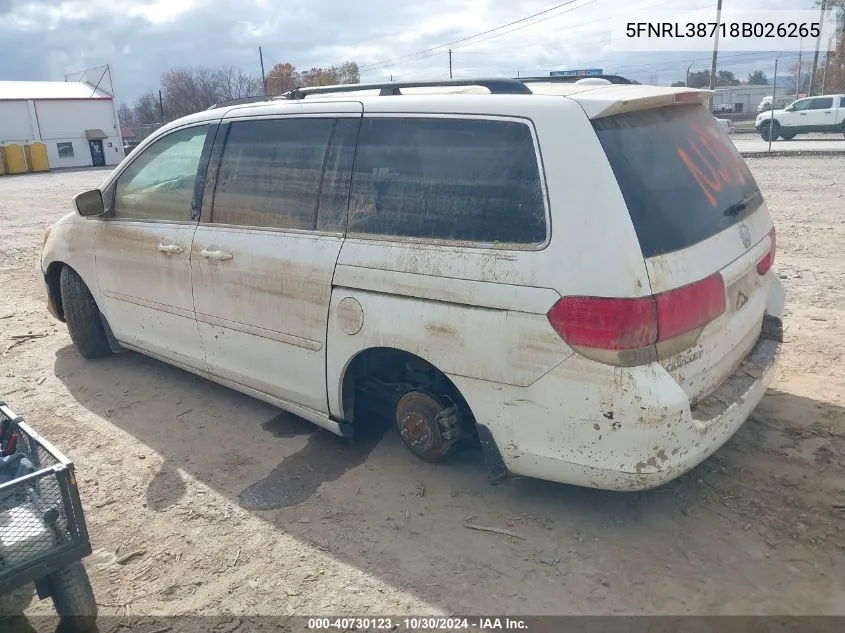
159	184
450	179
270	173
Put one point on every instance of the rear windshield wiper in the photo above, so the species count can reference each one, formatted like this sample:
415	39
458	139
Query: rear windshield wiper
738	207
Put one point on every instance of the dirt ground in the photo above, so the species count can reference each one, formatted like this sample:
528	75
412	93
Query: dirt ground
230	507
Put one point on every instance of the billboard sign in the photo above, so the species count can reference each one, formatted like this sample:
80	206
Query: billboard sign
586	72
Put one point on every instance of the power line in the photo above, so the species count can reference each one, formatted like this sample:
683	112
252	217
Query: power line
374	65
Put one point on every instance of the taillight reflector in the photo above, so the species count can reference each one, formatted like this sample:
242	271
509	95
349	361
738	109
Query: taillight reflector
625	324
765	264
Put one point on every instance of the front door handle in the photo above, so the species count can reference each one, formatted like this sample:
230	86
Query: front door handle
170	249
803	114
220	256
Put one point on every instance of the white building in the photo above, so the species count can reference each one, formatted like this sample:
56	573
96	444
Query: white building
749	96
76	121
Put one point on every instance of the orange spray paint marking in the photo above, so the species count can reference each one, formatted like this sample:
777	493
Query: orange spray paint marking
700	177
703	136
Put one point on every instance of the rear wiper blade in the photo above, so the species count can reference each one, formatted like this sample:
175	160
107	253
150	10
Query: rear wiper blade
738	207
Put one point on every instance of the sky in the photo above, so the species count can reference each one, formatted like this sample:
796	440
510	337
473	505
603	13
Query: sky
140	39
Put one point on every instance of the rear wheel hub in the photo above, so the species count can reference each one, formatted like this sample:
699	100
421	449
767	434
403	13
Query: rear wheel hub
427	427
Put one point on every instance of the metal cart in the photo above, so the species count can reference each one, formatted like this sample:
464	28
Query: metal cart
43	536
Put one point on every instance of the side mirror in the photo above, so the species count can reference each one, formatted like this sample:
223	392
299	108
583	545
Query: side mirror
90	203
790	108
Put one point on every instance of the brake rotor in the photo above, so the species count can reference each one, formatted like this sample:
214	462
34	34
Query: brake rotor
416	420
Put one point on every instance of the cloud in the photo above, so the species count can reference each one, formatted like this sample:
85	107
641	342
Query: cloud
140	39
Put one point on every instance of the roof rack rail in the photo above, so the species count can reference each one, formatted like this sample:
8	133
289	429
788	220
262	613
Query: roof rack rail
614	79
241	101
495	86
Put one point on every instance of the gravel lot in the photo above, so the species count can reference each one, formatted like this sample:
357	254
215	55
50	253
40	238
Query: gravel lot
168	465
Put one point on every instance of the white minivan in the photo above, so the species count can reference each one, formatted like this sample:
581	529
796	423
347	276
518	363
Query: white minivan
575	276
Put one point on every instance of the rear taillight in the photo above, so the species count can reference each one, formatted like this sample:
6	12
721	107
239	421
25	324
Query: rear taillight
765	264
686	309
614	324
594	325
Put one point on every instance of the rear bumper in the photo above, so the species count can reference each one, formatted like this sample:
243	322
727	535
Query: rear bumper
619	428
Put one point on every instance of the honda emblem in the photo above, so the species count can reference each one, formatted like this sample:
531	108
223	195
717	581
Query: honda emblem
745	235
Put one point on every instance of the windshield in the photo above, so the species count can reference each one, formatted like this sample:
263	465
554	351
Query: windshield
680	175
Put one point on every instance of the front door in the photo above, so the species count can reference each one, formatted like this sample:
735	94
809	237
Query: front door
143	249
98	156
262	267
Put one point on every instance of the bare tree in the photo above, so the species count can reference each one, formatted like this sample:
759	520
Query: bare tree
234	83
189	90
146	110
126	116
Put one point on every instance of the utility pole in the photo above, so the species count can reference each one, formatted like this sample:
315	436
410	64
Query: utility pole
798	79
774	94
824	74
715	48
816	56
263	78
161	107
450	63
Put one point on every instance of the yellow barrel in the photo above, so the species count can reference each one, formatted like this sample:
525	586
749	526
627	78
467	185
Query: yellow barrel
2	160
15	159
36	157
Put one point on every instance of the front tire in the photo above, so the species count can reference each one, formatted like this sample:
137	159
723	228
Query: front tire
769	129
73	598
84	321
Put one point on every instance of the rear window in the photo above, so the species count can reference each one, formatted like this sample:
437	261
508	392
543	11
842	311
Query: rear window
681	176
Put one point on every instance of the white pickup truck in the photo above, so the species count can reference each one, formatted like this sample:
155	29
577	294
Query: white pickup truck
823	114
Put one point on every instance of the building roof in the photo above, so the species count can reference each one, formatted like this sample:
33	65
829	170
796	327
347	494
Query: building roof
11	90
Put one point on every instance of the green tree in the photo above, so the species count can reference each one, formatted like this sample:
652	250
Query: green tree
726	78
699	79
757	78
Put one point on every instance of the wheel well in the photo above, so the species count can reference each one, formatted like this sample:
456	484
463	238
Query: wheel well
376	367
53	279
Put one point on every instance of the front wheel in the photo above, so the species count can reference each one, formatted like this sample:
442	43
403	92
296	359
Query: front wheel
770	131
84	321
73	598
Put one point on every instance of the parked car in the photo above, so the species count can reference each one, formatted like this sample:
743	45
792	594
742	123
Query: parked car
766	104
576	277
727	125
824	114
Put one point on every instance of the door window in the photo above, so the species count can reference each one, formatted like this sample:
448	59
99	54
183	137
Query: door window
821	103
270	173
159	184
451	179
334	193
802	105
